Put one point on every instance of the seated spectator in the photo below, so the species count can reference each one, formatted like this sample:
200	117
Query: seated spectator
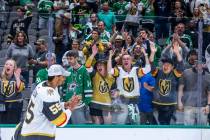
10	97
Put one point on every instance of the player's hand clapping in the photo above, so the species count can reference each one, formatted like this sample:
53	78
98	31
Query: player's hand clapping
71	104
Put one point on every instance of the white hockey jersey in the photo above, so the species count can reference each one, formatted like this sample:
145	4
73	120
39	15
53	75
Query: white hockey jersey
127	82
44	113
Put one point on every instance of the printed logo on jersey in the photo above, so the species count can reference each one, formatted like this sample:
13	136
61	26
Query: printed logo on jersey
165	86
103	87
72	86
8	91
120	12
50	92
128	84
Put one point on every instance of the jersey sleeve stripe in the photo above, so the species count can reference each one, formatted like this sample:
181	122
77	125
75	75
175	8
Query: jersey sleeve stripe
60	120
116	72
21	87
177	73
88	95
140	72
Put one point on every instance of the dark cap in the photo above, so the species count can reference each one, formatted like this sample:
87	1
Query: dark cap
40	41
101	58
167	60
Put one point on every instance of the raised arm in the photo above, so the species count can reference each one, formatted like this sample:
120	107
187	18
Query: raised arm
109	64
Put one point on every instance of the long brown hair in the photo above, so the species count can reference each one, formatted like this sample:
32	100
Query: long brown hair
24	35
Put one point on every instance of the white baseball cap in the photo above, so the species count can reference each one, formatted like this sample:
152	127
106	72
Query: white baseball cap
56	70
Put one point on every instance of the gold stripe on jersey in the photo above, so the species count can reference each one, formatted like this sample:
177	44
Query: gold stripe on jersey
21	87
10	101
60	119
155	72
140	72
101	88
158	103
116	72
177	73
38	134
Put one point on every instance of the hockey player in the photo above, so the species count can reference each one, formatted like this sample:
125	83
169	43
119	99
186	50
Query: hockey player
45	111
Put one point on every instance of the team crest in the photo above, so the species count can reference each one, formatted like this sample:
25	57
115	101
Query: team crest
165	87
50	92
128	84
8	91
103	87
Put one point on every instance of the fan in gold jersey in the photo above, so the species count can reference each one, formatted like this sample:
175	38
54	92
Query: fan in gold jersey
100	107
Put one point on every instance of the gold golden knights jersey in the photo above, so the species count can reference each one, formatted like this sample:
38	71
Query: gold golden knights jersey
101	89
127	82
44	113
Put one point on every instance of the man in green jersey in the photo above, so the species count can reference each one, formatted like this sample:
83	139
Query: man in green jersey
79	83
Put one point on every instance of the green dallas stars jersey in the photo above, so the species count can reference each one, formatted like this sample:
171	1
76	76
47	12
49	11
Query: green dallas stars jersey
79	83
120	11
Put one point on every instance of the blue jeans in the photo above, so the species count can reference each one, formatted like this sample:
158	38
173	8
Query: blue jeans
79	116
194	115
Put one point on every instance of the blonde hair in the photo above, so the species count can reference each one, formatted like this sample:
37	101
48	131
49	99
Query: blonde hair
3	73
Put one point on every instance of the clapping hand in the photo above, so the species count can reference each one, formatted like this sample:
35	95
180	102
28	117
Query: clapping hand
94	49
75	100
17	73
152	47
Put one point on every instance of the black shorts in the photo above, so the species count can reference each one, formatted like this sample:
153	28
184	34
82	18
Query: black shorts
96	112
